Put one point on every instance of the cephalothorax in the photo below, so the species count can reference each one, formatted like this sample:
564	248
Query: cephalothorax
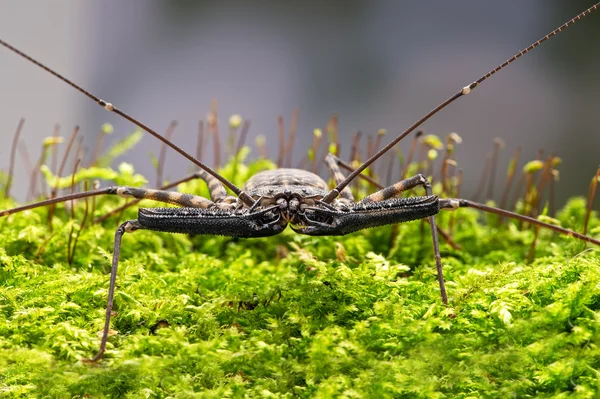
271	200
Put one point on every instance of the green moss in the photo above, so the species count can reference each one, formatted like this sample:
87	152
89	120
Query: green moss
296	316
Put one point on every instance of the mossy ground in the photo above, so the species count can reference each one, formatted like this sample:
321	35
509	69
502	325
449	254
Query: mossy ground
294	316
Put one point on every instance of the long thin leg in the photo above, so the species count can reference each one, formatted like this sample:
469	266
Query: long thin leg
127	227
218	195
445	235
216	189
169	197
453	203
332	164
175	197
393	191
169	186
262	223
438	256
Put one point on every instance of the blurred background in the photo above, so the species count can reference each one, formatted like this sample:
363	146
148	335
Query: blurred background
376	64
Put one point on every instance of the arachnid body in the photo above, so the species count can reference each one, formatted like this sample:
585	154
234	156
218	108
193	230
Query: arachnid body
271	200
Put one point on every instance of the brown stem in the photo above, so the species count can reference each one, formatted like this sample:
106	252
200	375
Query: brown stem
13	151
59	172
498	144
590	199
510	177
281	134
163	153
200	140
69	258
